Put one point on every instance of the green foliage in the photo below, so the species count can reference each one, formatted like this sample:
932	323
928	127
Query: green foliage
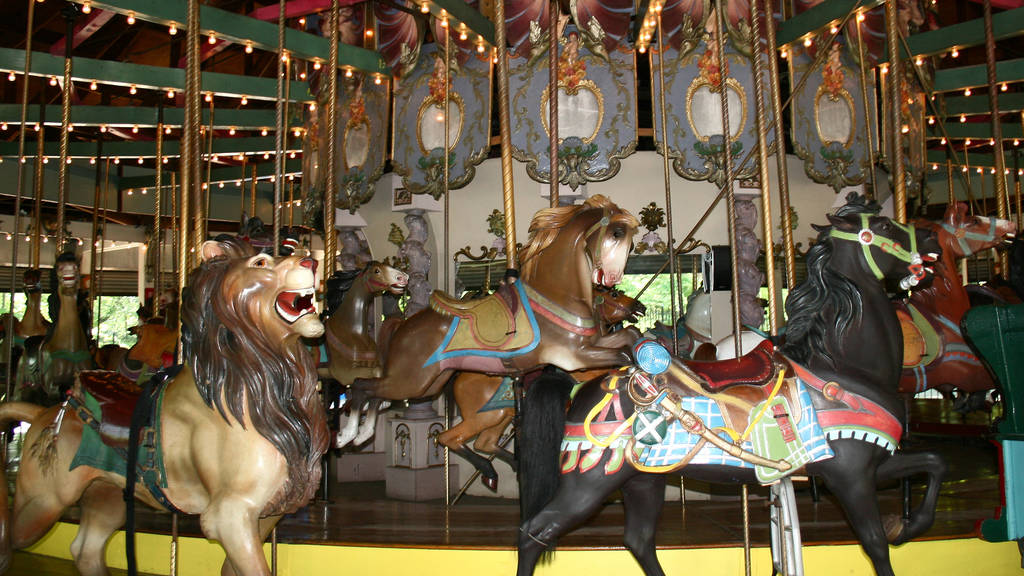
19	304
657	298
112	317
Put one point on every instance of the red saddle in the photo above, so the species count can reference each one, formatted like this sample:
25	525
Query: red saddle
117	397
754	368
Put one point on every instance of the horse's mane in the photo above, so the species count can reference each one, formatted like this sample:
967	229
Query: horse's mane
241	368
547	223
337	286
822	308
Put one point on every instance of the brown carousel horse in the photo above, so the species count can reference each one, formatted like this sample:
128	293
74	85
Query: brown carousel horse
545	317
239	431
825	402
935	354
47	371
487	406
349	338
32	323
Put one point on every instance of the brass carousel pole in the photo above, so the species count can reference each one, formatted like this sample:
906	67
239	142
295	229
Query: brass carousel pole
252	193
9	342
241	191
97	193
1016	187
40	178
69	11
667	176
447	235
864	101
158	203
507	185
896	162
190	150
999	179
331	175
279	113
762	152
553	13
208	181
949	178
730	197
174	238
780	148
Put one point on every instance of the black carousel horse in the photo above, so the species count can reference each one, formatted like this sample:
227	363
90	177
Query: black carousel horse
838	370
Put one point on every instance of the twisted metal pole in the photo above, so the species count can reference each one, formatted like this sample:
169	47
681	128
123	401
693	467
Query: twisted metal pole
999	178
730	196
70	12
788	249
279	112
507	185
19	191
897	162
762	153
553	13
40	179
191	190
667	175
331	181
158	203
864	104
97	192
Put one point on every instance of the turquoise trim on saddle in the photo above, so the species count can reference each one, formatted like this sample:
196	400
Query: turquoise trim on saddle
76	357
503	397
524	301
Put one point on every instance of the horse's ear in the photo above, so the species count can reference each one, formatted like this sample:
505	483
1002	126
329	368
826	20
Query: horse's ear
956	214
212	249
841	223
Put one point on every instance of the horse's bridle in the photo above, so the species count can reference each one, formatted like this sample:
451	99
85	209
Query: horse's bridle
868	238
602	225
962	235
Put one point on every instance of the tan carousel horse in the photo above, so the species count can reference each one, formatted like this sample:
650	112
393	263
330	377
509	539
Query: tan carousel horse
545	317
351	347
47	371
487	405
239	430
32	323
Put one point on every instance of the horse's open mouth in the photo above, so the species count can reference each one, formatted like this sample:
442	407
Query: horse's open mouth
294	304
68	280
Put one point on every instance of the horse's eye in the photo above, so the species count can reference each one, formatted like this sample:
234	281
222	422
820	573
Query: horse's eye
376	270
618	233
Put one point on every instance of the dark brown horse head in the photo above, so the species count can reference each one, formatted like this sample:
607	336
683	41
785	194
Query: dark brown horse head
32	280
961	234
613	306
381	278
604	237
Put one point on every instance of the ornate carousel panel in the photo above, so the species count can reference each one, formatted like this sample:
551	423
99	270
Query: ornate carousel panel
362	117
419	121
695	77
829	128
399	37
596	89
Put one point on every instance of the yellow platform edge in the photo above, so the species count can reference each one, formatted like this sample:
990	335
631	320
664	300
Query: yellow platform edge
201	557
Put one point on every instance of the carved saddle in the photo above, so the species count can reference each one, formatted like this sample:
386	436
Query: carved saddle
492	318
117	396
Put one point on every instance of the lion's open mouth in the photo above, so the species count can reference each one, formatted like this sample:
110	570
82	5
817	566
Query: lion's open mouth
294	304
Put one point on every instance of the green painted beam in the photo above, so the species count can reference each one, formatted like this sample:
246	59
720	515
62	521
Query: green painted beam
242	29
817	18
974	158
978	104
952	79
978	131
1005	25
149	77
130	149
143	117
217	175
463	12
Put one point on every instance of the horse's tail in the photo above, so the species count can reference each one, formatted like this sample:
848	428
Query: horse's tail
541	425
10	412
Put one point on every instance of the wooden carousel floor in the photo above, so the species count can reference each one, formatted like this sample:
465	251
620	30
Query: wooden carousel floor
359	514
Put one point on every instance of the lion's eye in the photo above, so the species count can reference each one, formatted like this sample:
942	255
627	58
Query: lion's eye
261	261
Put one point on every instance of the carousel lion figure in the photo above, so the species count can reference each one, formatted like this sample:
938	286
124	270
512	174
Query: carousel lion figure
235	435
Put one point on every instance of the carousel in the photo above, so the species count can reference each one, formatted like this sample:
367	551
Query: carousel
511	286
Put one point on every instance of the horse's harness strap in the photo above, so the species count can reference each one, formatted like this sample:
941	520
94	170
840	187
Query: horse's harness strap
962	235
601	225
868	238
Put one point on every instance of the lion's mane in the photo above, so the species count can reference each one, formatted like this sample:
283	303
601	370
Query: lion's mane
240	368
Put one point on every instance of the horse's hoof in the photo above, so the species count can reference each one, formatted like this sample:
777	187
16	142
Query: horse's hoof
893	525
491	483
342	440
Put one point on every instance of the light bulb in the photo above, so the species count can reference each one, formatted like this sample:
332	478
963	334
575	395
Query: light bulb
377	80
53	80
424	8
12	77
167	129
1003	87
135	129
86	8
170	93
967	92
173	29
209	97
248	47
317	65
231	132
244	101
808	41
955	53
212	38
92	85
133	89
131	18
263	132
